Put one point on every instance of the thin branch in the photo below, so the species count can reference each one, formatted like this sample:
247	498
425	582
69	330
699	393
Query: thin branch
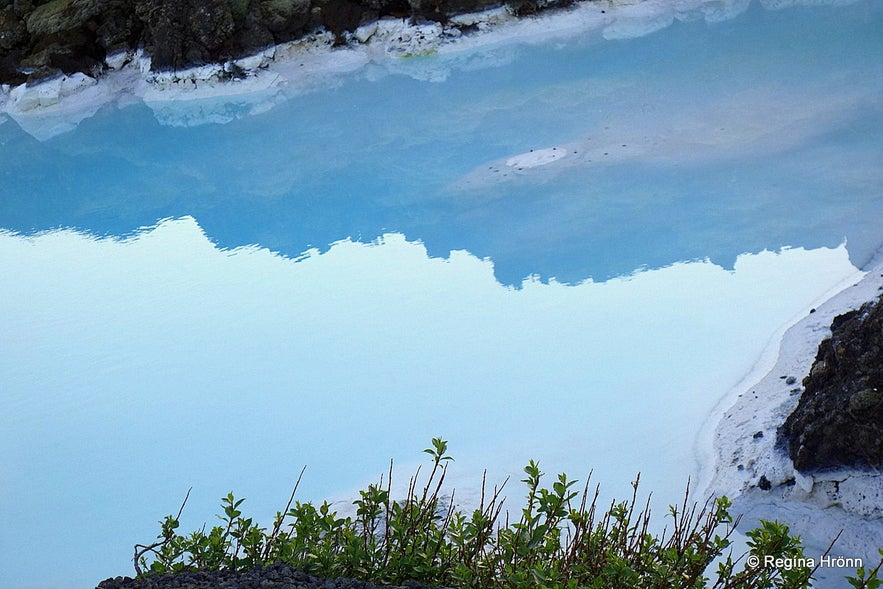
155	545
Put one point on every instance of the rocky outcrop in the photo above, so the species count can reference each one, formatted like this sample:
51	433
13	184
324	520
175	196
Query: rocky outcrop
838	421
181	33
42	39
13	36
59	16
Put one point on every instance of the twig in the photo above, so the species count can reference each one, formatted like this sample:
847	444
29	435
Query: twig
155	545
278	524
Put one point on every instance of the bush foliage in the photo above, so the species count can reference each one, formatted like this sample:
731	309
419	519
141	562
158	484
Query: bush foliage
560	540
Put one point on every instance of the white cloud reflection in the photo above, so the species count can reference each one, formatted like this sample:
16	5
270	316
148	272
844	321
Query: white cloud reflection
135	368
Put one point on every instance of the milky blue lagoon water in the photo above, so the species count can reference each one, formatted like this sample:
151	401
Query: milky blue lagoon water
338	278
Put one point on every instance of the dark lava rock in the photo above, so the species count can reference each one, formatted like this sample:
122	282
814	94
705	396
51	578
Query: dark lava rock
13	46
285	17
839	419
42	38
65	51
185	32
13	32
276	576
528	7
62	38
118	26
339	16
61	15
764	483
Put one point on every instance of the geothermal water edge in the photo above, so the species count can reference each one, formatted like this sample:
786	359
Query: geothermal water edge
337	278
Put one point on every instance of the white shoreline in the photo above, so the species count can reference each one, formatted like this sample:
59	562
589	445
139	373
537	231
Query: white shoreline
256	83
738	442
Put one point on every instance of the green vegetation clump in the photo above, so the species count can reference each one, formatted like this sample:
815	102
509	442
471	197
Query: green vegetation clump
561	540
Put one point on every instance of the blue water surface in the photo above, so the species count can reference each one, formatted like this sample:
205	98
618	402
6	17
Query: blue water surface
337	279
368	157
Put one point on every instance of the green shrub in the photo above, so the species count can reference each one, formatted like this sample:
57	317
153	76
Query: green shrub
560	541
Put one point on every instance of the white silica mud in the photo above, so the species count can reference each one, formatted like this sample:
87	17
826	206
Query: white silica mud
845	503
636	122
532	159
564	238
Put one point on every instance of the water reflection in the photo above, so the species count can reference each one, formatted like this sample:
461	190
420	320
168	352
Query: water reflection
139	362
802	88
135	368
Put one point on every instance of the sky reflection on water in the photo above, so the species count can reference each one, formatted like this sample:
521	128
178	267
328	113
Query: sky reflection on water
796	92
556	315
146	365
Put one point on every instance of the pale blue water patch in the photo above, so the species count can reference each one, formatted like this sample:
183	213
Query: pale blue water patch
142	367
209	350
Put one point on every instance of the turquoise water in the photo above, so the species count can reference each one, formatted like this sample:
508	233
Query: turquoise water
336	280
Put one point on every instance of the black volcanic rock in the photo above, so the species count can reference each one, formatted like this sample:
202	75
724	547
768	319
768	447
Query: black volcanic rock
527	7
275	576
66	51
284	17
13	32
118	26
13	46
42	38
185	32
339	16
839	419
59	16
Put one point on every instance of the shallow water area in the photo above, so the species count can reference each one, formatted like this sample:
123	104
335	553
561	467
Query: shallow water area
213	294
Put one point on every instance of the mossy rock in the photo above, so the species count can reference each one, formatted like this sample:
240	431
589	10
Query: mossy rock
62	15
865	401
239	9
